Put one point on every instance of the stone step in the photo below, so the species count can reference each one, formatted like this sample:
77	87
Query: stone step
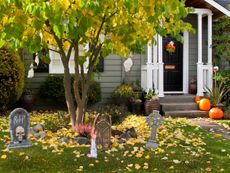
179	106
186	113
177	99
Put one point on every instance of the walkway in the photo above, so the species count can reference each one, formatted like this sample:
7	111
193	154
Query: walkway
212	126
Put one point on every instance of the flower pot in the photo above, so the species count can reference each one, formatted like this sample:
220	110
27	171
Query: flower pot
136	108
193	86
151	105
219	105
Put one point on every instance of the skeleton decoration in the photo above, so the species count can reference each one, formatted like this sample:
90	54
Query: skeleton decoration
20	132
19	128
154	120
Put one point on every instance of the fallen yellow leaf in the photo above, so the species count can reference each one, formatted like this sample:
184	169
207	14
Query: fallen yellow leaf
4	156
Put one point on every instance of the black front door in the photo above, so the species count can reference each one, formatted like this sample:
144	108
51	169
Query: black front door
173	66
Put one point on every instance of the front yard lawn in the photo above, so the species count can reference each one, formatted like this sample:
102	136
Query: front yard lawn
183	147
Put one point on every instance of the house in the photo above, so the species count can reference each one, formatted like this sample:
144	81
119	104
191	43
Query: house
167	73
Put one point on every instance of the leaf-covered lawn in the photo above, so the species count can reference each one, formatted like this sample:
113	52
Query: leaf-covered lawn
225	123
183	147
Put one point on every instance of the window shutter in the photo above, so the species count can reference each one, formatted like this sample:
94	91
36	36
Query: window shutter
100	65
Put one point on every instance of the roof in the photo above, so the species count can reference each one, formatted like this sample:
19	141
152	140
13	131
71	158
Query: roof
218	7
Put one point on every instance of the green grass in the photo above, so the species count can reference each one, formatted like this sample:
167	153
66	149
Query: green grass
224	122
214	156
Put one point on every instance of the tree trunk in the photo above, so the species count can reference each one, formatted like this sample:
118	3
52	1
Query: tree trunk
69	97
81	103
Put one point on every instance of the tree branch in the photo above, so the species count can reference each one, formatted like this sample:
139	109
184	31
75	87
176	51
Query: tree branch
54	50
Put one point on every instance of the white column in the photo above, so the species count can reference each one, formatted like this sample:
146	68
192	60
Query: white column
199	38
155	51
149	67
150	53
186	62
210	39
199	63
210	67
161	66
155	66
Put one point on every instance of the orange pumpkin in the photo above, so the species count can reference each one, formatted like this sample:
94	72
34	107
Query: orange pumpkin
216	113
204	104
197	99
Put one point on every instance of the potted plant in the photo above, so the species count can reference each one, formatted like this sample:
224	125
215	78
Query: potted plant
122	94
217	93
219	90
151	102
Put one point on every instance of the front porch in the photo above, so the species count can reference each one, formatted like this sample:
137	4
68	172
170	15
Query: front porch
153	72
181	106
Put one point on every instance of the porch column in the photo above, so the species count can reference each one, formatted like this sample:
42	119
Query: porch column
155	70
186	62
210	67
199	63
161	66
149	67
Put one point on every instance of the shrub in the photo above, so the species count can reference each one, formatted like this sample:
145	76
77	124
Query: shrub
117	113
223	77
122	93
12	75
53	88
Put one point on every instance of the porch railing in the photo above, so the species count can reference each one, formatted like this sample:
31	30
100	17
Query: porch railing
204	78
152	78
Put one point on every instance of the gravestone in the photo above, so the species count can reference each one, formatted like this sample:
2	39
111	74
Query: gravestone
154	120
102	125
19	128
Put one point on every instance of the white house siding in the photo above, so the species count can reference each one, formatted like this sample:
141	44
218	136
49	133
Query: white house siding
114	74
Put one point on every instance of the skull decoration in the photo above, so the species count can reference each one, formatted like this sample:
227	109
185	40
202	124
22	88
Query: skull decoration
20	132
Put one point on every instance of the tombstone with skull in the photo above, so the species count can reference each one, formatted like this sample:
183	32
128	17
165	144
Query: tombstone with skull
20	132
19	128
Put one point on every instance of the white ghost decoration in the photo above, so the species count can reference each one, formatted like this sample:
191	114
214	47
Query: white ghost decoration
36	60
31	72
128	64
102	38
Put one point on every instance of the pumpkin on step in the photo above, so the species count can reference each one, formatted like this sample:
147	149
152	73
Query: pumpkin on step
197	99
204	104
216	113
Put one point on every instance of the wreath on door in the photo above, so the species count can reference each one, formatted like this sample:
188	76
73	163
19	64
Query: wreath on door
170	47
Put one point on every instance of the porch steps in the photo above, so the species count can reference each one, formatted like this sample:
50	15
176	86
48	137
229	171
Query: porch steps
181	106
187	113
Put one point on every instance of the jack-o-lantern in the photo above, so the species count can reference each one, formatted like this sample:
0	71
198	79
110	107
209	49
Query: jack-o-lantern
204	104
197	99
216	113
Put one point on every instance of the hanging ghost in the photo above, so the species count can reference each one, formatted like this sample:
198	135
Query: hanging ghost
128	63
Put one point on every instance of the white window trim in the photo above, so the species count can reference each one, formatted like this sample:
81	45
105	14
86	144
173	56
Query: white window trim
56	66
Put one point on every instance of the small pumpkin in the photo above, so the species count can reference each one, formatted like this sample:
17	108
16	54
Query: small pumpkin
197	99
204	104
216	113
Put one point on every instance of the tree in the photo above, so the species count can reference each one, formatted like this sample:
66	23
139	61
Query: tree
102	26
221	40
